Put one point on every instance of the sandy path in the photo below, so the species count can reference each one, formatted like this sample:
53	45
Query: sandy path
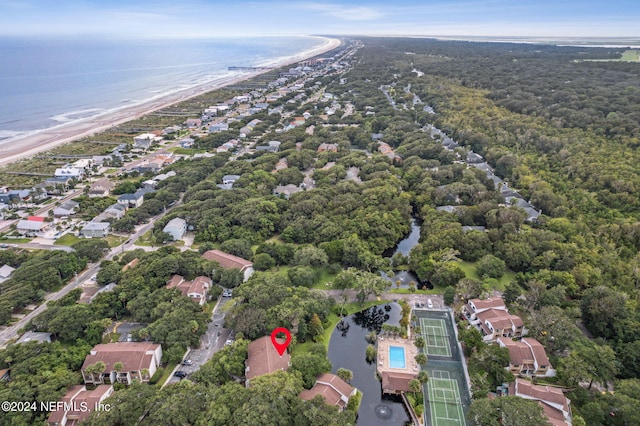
49	139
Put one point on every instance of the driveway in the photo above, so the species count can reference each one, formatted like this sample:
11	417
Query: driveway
210	342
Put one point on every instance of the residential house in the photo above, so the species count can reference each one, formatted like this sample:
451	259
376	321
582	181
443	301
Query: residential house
218	127
281	164
328	147
228	261
332	388
472	158
492	318
101	188
115	211
14	196
193	123
144	141
286	190
164	176
139	361
197	289
187	143
386	150
263	358
527	357
5	273
33	226
176	227
5	375
68	208
131	200
171	129
230	179
95	230
555	406
60	182
77	404
267	148
76	173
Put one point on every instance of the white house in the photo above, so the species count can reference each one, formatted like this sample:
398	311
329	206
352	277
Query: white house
5	273
70	172
176	228
68	208
96	230
144	141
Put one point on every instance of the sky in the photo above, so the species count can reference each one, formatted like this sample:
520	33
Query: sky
213	18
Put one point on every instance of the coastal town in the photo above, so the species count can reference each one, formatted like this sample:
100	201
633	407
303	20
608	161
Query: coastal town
422	281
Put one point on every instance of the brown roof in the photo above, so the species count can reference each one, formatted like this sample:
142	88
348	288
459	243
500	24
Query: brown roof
263	358
82	400
525	352
132	355
333	389
175	281
538	351
500	319
396	381
547	395
199	285
227	260
131	264
492	302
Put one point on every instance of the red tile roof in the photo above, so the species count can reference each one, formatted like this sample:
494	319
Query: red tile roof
81	403
36	218
263	358
492	302
552	399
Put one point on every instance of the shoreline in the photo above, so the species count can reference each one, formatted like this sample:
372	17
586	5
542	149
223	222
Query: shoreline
54	137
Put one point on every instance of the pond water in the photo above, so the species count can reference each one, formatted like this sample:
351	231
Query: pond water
405	246
347	350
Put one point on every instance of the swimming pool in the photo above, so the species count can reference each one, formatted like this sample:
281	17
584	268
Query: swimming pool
396	357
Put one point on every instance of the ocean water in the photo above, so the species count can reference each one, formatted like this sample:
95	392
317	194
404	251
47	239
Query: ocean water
45	83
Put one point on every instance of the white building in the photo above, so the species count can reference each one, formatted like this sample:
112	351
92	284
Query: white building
176	228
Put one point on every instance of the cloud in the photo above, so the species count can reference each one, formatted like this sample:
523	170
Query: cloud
347	13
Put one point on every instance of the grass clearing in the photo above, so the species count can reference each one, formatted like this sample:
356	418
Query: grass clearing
67	240
470	269
114	240
15	240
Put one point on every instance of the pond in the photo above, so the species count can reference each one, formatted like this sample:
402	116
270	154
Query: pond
347	350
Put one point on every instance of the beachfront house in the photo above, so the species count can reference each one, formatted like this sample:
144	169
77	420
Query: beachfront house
144	141
95	230
76	173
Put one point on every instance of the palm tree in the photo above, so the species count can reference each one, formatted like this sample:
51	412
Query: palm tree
423	377
415	386
421	359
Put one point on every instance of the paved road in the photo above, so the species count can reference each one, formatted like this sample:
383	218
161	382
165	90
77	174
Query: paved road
9	333
210	342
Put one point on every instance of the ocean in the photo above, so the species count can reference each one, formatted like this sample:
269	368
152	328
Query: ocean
44	84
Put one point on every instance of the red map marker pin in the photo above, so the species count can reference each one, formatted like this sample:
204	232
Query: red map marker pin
280	347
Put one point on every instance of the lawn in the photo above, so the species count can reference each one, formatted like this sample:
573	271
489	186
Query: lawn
67	240
15	240
332	321
469	269
114	240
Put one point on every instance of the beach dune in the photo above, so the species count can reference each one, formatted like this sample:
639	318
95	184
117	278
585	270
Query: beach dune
51	138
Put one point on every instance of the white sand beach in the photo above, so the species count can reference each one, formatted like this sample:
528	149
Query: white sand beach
48	139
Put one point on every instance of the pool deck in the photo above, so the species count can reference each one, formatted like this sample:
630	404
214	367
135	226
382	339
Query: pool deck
410	352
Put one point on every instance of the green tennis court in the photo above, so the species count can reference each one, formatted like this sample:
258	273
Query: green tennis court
436	337
444	400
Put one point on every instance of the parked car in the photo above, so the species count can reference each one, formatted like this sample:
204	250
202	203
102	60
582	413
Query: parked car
227	293
180	373
187	362
429	303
